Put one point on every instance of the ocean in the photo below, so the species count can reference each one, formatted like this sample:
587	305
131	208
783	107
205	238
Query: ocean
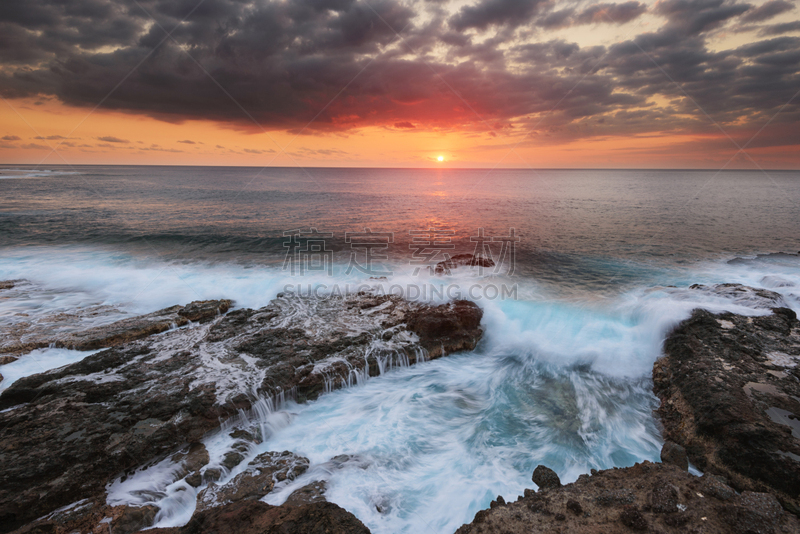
592	268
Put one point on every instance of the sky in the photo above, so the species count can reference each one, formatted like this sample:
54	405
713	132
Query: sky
391	83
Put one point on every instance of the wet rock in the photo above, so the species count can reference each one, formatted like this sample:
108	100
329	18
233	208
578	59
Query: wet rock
730	394
462	260
212	474
8	284
25	337
232	459
545	478
94	516
314	492
744	295
133	519
447	328
647	497
258	479
193	459
672	453
256	517
74	429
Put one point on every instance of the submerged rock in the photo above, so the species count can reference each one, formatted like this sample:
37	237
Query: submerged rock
650	498
256	517
730	394
462	260
67	432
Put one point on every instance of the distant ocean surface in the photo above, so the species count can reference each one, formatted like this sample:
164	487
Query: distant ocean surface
601	270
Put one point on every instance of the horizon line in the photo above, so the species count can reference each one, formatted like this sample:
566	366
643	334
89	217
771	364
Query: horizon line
708	169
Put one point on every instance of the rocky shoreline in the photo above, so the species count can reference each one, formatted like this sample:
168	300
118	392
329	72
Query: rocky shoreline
68	432
730	394
729	387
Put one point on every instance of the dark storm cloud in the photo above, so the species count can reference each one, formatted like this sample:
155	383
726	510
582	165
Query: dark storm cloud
495	12
767	10
286	64
777	29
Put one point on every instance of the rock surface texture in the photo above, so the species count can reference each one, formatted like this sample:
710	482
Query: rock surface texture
644	498
730	392
65	433
256	517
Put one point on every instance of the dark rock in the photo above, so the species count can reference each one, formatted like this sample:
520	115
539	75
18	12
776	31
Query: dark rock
646	497
447	328
8	284
545	478
75	428
134	519
672	453
613	497
232	459
256	517
254	482
314	492
25	337
574	507
716	487
193	458
663	499
212	475
633	518
461	260
729	390
753	513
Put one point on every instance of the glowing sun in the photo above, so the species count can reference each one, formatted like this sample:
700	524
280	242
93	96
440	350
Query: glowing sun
440	158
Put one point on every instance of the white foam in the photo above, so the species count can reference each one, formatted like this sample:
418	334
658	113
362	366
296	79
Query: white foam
39	361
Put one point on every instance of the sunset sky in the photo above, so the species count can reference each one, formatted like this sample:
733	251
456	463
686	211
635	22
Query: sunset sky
477	83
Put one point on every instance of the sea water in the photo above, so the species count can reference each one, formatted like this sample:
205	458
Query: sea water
600	273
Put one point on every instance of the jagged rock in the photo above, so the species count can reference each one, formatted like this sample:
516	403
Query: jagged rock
730	394
314	492
94	516
25	337
256	481
447	328
651	497
744	295
73	429
753	513
192	459
716	487
545	478
672	453
468	260
256	517
633	518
